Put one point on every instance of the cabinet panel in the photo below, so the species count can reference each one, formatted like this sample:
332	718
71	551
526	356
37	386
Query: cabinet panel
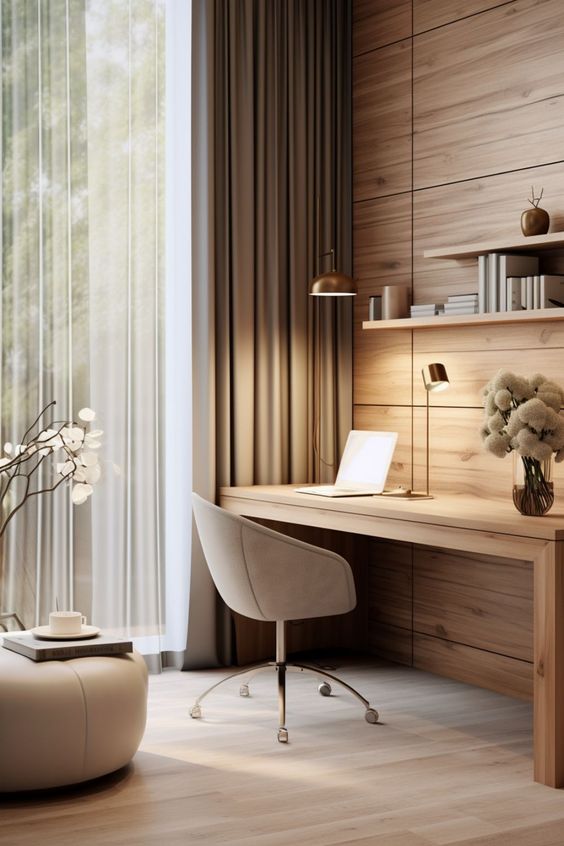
382	122
467	124
480	601
475	666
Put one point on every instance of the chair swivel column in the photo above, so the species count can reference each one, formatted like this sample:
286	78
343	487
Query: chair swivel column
281	672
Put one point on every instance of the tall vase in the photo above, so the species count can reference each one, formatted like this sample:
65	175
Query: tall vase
533	488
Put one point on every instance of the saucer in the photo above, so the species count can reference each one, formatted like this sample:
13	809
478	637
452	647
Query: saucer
46	633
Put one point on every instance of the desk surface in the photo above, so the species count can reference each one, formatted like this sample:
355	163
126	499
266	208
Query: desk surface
461	512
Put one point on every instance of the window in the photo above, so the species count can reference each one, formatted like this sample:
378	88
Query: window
90	274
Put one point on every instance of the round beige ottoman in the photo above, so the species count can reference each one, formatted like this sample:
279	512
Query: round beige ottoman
63	722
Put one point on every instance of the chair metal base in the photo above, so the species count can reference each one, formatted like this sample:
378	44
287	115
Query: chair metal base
370	715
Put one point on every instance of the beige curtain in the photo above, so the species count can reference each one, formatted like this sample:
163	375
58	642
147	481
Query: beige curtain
272	366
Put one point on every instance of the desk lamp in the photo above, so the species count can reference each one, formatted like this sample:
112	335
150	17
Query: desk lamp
435	379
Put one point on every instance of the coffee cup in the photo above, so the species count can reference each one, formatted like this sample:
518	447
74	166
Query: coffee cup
66	622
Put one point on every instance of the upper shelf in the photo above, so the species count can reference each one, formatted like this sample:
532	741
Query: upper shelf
552	241
540	315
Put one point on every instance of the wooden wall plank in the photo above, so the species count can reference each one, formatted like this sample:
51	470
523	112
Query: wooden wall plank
474	211
480	601
382	122
546	337
379	22
468	374
475	666
459	462
461	112
428	14
382	368
382	247
390	419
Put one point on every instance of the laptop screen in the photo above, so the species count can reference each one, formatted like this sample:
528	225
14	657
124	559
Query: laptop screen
366	460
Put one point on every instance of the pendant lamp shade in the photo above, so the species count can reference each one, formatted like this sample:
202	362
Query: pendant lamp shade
333	284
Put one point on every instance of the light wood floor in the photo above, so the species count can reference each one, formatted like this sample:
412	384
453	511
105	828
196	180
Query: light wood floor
449	764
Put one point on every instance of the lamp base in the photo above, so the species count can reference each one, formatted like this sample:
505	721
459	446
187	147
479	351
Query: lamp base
406	493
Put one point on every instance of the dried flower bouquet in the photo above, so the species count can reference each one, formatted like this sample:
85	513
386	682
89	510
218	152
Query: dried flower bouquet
523	415
74	448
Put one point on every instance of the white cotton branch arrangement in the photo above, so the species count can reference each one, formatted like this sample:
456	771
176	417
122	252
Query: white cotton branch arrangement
523	415
74	452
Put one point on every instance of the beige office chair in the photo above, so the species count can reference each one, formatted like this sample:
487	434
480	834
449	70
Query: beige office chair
267	576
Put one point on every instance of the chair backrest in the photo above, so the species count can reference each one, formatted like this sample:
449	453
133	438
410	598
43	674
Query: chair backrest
265	575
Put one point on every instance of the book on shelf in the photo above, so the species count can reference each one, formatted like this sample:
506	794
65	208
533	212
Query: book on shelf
462	310
482	284
463	298
50	650
510	266
513	293
551	291
493	282
375	308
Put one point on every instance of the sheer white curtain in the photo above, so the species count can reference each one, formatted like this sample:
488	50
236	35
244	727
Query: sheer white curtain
93	298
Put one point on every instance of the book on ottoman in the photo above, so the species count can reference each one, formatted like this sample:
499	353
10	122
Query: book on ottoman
42	650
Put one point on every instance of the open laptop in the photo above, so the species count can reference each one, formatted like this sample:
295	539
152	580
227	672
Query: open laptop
364	466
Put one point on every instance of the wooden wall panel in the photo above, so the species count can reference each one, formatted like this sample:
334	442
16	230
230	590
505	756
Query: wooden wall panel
466	123
475	666
479	601
428	14
478	210
544	336
379	22
382	247
382	368
469	374
390	419
382	122
459	462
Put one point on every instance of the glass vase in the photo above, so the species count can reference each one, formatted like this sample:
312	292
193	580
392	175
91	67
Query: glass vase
533	488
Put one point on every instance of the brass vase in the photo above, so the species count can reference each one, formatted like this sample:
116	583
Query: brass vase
533	488
535	221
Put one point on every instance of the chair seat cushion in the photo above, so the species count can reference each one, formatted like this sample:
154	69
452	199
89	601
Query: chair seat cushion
63	722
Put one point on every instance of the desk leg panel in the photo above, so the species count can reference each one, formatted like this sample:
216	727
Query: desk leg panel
549	665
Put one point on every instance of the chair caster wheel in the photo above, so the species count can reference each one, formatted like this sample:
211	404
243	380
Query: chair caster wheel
324	689
282	735
196	712
244	690
371	715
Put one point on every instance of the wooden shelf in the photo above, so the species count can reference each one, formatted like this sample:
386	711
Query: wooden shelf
552	241
540	315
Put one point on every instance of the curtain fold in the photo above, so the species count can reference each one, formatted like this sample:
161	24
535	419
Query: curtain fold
272	366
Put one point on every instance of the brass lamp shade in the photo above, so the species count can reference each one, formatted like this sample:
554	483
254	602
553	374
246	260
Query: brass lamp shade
435	377
333	284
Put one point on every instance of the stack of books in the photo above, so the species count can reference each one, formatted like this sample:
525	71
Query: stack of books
494	271
462	304
539	291
426	310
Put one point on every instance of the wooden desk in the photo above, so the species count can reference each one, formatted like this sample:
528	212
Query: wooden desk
461	523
